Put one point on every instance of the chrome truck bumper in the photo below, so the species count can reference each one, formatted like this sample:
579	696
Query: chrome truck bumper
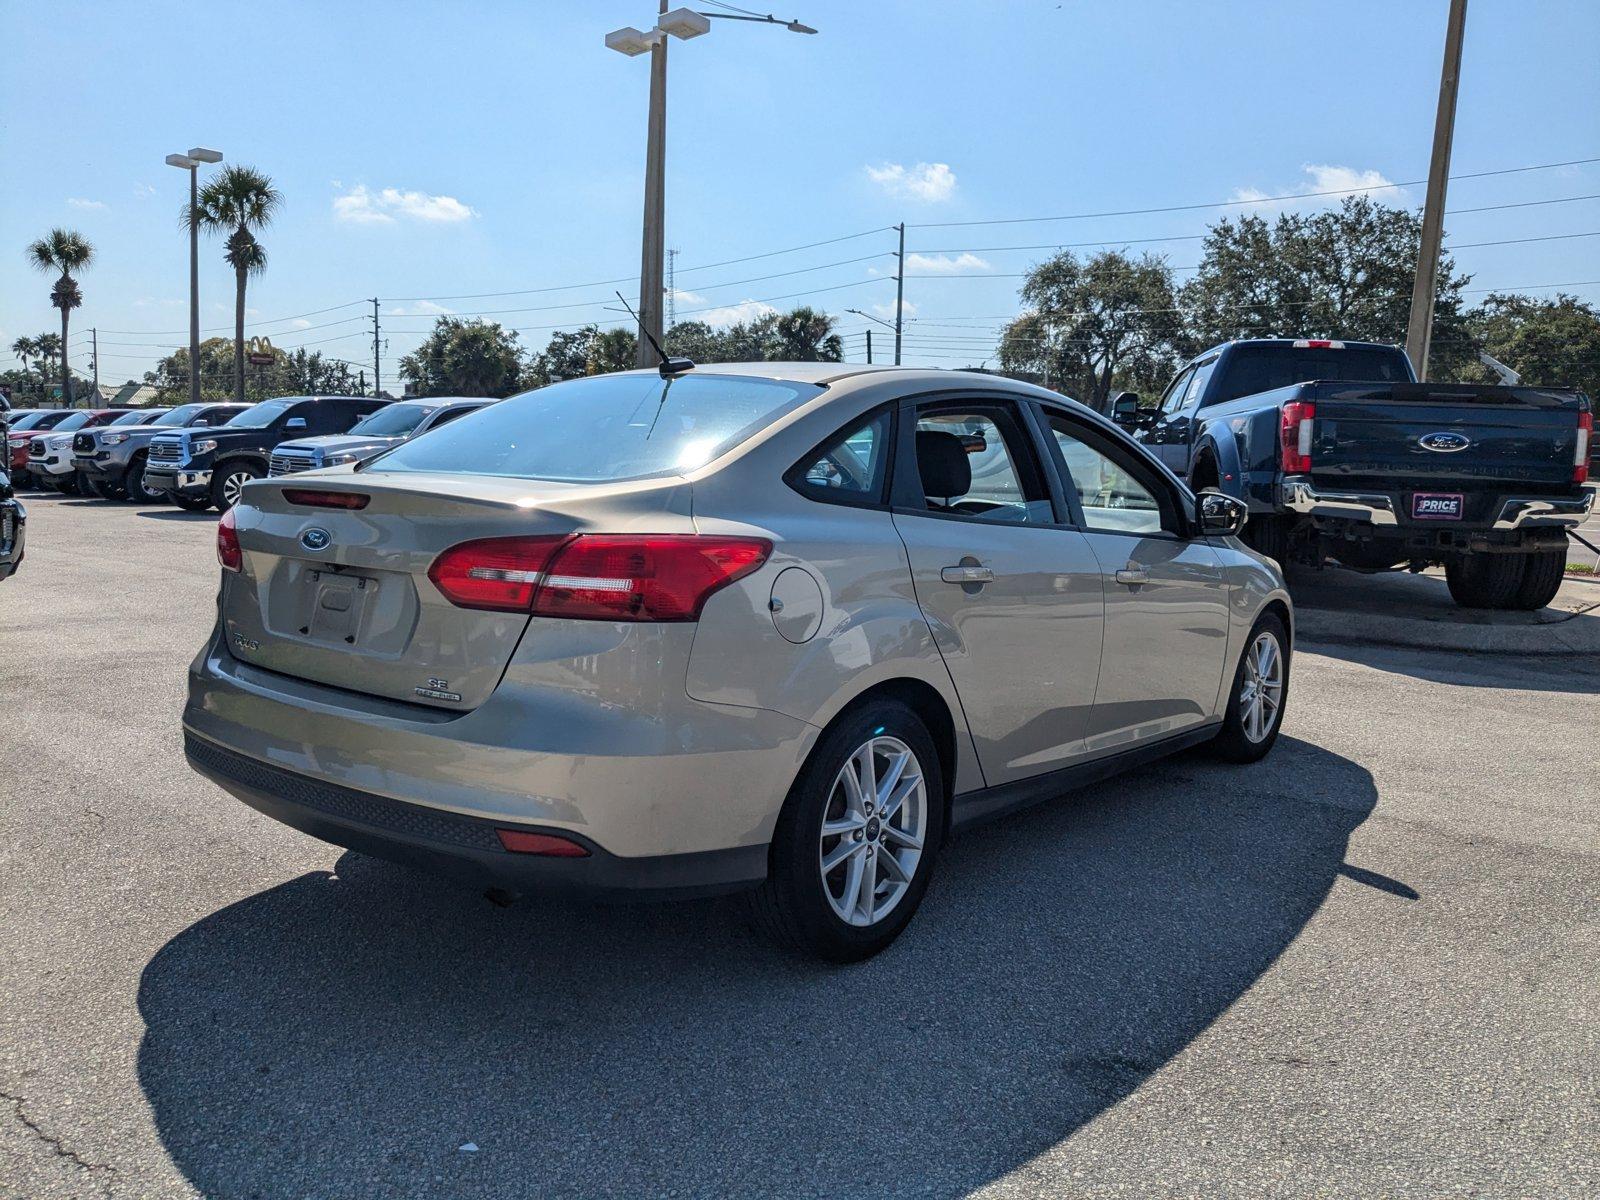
1379	509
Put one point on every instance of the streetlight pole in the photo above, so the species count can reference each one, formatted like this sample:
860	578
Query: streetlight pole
191	162
681	23
1419	330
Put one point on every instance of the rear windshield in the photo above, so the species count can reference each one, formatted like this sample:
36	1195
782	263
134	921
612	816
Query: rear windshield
394	420
1253	369
607	427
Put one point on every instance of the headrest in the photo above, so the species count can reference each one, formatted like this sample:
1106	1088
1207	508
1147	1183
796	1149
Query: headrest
942	461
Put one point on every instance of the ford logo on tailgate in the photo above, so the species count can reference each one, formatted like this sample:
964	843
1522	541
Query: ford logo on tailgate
1444	443
316	539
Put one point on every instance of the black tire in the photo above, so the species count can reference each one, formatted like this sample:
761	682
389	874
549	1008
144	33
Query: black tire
190	503
792	905
67	484
1235	742
1269	536
222	482
93	487
1541	579
133	483
1485	580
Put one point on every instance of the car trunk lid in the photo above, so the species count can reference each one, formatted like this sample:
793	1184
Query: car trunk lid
341	596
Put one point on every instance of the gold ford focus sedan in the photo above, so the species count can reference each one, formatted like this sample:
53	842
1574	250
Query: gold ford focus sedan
777	627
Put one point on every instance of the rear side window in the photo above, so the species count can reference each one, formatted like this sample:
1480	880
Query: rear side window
1253	369
850	468
604	428
976	462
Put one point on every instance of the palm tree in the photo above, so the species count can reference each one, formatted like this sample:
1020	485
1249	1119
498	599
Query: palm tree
239	200
24	349
65	251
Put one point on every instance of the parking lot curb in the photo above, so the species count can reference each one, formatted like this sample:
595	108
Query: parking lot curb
1576	633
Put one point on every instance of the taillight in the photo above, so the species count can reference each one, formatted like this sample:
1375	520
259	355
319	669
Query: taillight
313	499
494	573
228	552
1299	418
1318	344
597	577
520	841
1580	460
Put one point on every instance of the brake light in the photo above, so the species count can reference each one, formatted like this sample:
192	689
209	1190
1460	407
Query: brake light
1299	418
228	552
493	573
597	577
1580	460
1318	344
312	499
520	841
654	577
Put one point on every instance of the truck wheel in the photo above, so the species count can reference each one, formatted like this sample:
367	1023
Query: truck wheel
1541	579
227	482
190	503
67	484
93	487
1485	580
1268	535
134	482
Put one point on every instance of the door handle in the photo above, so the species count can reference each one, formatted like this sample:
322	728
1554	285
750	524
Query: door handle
1133	576
966	574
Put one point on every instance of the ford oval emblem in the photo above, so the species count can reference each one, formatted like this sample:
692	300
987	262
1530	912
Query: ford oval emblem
316	539
1444	443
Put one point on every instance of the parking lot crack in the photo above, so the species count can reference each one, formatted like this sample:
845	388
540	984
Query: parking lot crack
57	1145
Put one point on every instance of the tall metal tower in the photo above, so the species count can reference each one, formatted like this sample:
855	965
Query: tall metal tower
672	288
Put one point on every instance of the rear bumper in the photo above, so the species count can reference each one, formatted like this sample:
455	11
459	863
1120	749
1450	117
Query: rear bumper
1383	510
184	481
460	847
669	793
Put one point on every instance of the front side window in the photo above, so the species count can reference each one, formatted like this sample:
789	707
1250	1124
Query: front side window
397	420
850	467
604	428
259	416
1177	391
136	417
975	463
1116	497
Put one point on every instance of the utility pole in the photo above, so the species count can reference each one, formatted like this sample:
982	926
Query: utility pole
1419	330
376	360
869	347
655	204
94	363
899	290
672	288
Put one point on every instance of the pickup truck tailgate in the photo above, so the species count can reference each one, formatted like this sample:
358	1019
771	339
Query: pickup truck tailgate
1444	436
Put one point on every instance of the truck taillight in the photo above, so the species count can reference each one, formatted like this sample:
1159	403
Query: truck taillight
1318	344
1580	460
1299	422
597	577
228	552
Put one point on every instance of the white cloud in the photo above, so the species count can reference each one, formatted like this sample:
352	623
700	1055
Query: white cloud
143	190
299	323
685	297
945	264
421	308
86	205
1323	177
930	183
364	206
733	314
886	311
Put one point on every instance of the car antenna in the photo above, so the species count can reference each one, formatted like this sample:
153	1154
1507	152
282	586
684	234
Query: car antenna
669	366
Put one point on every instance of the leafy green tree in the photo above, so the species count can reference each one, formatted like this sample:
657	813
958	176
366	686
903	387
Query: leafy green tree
1096	325
1339	273
611	350
1550	343
465	357
565	356
697	341
240	201
62	252
290	373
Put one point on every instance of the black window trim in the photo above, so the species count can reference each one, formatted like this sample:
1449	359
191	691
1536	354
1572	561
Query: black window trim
794	477
1130	455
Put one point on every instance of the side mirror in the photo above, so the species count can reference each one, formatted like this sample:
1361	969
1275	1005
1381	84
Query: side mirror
1125	409
295	423
1220	515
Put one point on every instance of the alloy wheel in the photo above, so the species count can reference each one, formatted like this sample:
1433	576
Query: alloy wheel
1261	692
873	830
233	487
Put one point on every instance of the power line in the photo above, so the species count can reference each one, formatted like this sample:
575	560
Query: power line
1133	212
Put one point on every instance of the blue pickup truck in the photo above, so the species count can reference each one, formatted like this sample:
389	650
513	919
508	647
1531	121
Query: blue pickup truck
1341	454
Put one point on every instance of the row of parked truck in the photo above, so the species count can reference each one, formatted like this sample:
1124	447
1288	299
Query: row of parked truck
199	456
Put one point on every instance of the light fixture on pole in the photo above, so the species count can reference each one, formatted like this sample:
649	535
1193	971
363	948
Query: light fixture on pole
190	162
681	23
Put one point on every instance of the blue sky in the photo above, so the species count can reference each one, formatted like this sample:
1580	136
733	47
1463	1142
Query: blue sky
431	151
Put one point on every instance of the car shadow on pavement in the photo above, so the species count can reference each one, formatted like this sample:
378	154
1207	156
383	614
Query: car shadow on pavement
1575	673
349	1034
177	514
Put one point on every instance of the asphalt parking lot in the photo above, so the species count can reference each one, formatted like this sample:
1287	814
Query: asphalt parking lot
1365	966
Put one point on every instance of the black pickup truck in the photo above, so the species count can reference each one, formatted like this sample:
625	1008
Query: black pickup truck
1340	453
198	468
